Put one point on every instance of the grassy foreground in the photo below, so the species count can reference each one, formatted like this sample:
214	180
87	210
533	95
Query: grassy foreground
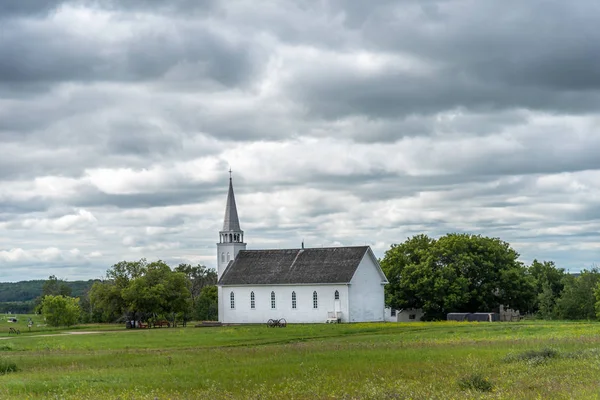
443	360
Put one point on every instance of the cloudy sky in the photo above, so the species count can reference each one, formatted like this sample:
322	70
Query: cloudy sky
345	123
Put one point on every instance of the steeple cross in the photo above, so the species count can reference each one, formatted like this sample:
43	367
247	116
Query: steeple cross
229	172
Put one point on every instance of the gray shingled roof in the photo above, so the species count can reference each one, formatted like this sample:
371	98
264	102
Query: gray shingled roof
294	266
231	221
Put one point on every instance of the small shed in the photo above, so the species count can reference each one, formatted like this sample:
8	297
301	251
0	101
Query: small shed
457	316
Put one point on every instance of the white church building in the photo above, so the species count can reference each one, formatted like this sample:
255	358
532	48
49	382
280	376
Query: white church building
344	284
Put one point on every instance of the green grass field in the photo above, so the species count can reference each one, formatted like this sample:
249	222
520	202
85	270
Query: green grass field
444	360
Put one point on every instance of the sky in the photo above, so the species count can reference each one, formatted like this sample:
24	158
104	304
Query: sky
344	122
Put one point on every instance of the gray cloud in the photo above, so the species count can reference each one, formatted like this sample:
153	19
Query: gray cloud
523	58
47	52
30	8
344	123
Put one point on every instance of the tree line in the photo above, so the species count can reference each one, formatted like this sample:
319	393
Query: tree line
455	273
474	273
134	290
22	297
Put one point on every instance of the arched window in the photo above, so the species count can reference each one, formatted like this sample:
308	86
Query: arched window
273	300
230	238
232	300
223	257
228	257
336	295
293	299
315	300
252	302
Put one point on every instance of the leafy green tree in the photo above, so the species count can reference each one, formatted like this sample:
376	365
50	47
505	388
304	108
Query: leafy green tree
51	287
55	287
597	297
400	266
106	302
578	298
106	298
546	302
159	290
517	289
197	278
456	273
207	307
140	288
548	281
60	310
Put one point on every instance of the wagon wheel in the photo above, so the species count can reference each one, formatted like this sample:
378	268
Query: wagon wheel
282	323
270	323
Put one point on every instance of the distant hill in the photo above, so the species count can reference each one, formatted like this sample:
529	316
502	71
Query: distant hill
25	291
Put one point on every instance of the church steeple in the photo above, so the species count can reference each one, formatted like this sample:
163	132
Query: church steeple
231	238
231	221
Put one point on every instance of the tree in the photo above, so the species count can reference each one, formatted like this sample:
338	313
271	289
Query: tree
60	310
401	291
139	289
51	287
597	297
548	281
456	273
578	299
546	302
197	278
54	286
207	308
106	302
106	297
159	290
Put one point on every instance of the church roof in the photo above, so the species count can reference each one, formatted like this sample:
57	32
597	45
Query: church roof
294	266
231	221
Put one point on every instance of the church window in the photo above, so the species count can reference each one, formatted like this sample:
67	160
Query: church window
252	302
337	295
228	257
223	257
294	300
273	300
232	300
230	238
315	300
393	313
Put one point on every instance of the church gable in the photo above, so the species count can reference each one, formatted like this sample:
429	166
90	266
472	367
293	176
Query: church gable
294	266
371	262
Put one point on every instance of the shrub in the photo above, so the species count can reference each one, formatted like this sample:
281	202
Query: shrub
6	347
60	310
533	357
7	367
476	381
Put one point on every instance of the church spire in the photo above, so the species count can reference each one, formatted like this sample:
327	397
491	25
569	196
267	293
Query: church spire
231	238
231	222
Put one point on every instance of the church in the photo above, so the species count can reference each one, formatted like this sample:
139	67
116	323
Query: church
334	284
